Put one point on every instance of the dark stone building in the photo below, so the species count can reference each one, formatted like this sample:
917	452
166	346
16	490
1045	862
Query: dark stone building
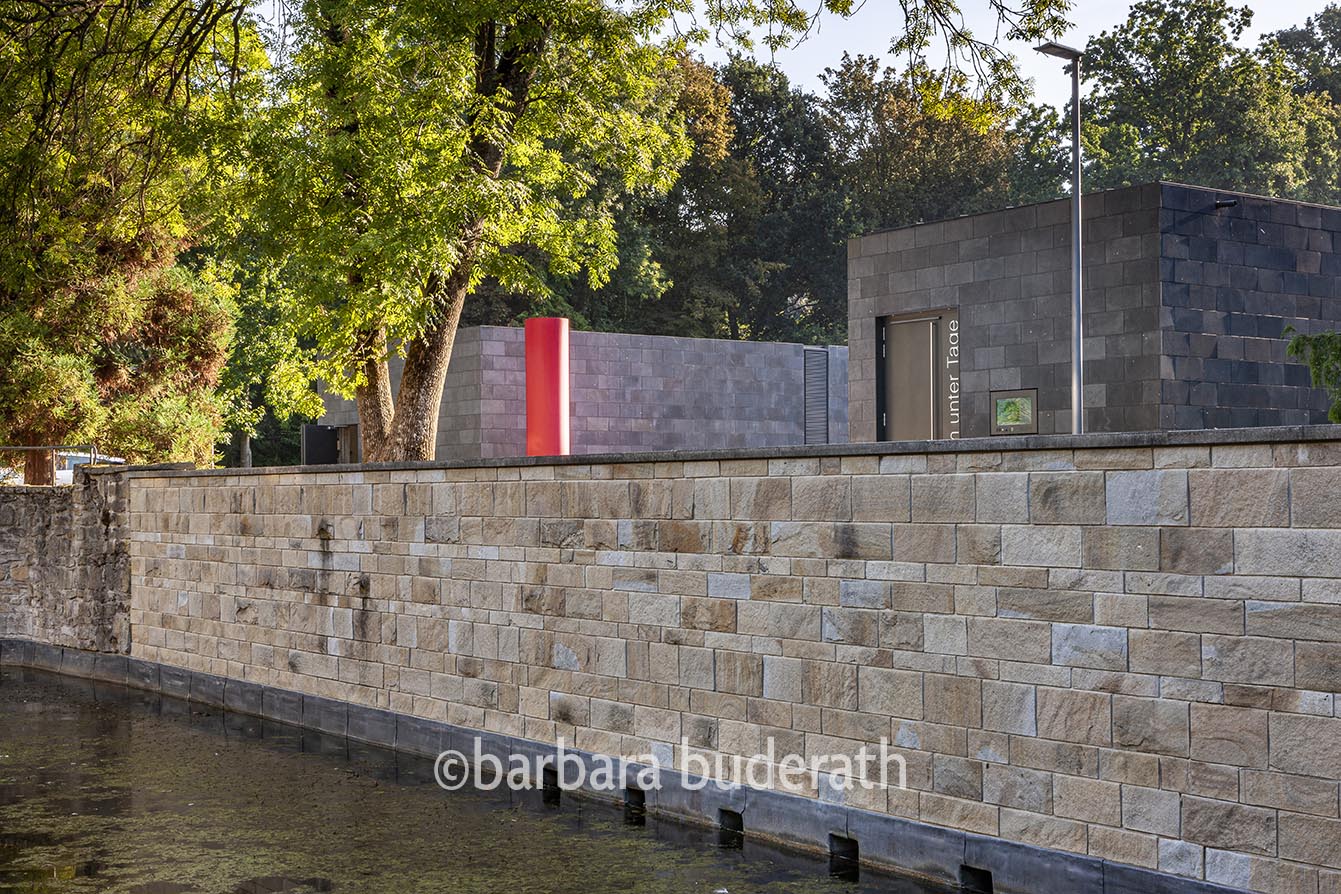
1188	294
633	393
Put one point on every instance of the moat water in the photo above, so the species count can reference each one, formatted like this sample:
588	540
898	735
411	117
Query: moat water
108	789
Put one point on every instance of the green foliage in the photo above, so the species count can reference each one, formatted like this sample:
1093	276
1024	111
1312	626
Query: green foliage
1322	354
112	162
1174	97
387	165
1313	52
920	145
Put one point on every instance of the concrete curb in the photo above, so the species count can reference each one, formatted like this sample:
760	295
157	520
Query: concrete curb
934	853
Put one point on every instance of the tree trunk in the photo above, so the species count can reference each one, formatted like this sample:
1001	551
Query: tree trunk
374	401
244	450
413	432
37	467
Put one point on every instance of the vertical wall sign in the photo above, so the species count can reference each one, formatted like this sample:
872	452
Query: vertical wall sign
950	382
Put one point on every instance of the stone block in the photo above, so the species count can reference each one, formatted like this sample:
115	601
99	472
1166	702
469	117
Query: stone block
1318	666
945	634
889	692
1222	824
957	777
1155	726
1064	606
1167	653
1009	708
1196	615
1229	735
858	627
1052	546
740	672
978	544
1285	791
782	678
943	498
1003	497
1088	645
1017	787
880	498
1151	810
863	594
1308	746
821	498
1154	497
1010	639
1310	839
1289	553
1294	620
1247	659
1070	715
924	543
1121	548
1314	499
1196	551
1066	498
763	499
1087	800
952	700
1239	498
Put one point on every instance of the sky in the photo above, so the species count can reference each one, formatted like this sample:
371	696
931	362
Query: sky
869	31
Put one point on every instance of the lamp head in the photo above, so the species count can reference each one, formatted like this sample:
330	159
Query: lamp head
1060	50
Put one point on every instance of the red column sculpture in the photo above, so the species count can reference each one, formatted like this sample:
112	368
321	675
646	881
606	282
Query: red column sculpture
547	386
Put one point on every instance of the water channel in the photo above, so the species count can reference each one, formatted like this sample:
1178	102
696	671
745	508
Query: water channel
109	789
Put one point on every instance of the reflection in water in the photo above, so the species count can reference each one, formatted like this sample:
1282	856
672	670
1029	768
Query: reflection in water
107	789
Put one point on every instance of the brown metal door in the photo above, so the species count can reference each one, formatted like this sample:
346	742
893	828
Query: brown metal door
909	411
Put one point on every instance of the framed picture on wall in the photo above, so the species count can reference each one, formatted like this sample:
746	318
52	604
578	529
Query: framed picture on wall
1015	412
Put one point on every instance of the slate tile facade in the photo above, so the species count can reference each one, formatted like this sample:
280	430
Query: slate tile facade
629	393
1186	305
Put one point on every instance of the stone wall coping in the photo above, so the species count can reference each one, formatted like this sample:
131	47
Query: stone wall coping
1008	443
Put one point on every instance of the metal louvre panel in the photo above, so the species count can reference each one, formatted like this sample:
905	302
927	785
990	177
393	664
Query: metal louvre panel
817	396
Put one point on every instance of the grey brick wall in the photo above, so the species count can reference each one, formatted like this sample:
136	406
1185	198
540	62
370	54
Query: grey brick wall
1233	279
629	393
1008	272
1185	306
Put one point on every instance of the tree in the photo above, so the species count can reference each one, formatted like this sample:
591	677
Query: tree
413	148
1322	353
920	145
1313	52
1175	97
118	118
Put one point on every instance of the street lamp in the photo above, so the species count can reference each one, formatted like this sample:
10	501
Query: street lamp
1061	51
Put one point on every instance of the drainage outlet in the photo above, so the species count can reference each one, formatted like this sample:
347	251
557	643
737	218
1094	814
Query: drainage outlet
974	880
635	807
844	858
730	830
550	792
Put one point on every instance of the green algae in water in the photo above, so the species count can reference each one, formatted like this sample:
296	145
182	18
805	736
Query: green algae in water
105	789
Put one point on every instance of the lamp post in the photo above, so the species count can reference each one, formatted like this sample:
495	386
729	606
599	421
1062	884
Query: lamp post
1072	55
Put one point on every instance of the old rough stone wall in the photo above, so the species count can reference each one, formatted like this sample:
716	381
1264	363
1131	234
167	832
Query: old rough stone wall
65	564
1130	652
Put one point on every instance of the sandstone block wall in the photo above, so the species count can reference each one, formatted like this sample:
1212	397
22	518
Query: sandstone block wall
1129	652
65	565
